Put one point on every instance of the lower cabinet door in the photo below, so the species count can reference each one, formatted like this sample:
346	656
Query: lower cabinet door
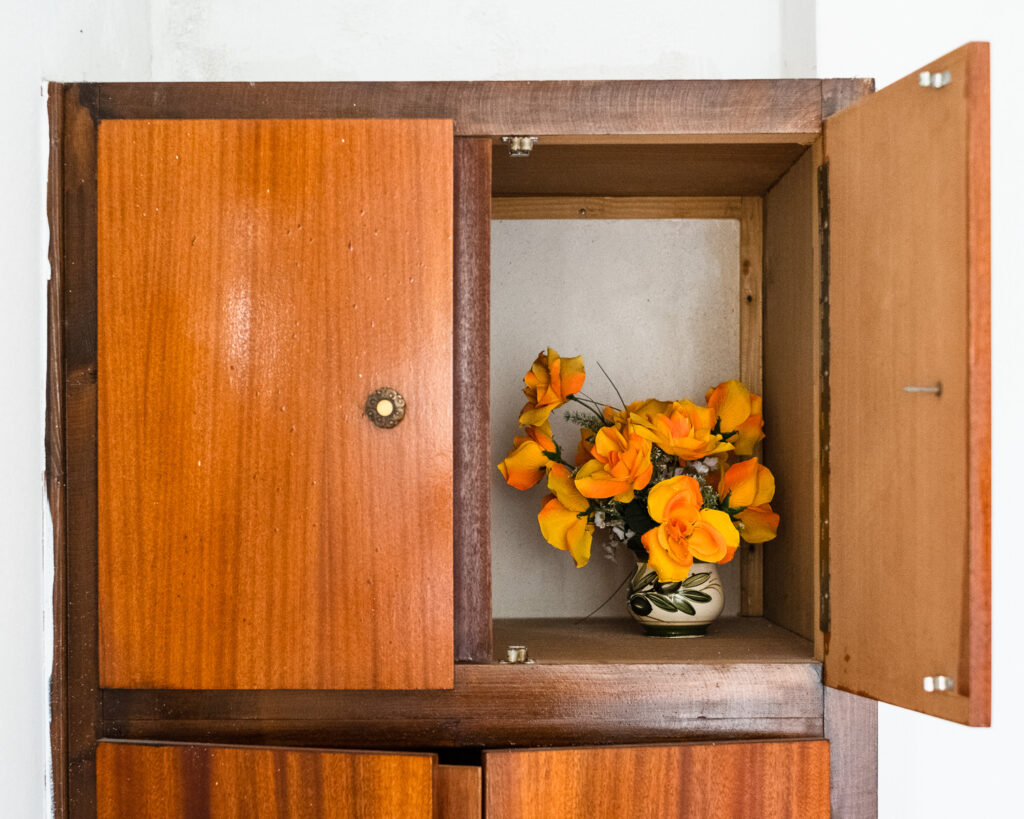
185	781
732	780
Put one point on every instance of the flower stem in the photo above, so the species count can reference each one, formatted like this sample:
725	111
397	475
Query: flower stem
585	405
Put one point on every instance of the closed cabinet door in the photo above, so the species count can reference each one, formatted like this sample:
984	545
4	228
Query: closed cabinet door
758	780
274	370
191	781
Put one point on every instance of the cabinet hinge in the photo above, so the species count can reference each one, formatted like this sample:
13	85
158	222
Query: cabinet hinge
519	145
825	399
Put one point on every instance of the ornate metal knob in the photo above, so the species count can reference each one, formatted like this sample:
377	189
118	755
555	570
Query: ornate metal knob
385	407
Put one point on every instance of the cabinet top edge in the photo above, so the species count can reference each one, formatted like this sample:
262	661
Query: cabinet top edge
488	108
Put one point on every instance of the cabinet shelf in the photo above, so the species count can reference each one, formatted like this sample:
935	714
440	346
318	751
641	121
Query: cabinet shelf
609	640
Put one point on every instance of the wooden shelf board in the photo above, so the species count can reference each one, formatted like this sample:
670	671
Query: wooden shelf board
614	641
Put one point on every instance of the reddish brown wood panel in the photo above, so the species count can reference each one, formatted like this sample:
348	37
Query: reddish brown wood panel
257	280
193	781
725	169
909	554
729	781
471	400
751	107
458	792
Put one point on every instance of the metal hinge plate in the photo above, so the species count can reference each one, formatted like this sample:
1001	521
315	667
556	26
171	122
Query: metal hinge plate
519	145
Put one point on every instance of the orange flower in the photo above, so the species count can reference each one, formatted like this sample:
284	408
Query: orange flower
564	520
527	463
746	490
619	465
739	411
585	445
685	530
549	383
683	429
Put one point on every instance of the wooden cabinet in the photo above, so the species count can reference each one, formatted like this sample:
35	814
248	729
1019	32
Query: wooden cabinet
170	781
235	322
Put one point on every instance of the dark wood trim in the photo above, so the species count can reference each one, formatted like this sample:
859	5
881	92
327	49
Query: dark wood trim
471	433
851	727
496	706
78	280
55	454
753	107
838	94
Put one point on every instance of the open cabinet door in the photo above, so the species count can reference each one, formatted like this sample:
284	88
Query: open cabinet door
177	781
908	557
257	281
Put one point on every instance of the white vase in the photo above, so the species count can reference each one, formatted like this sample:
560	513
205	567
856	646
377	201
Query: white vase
680	609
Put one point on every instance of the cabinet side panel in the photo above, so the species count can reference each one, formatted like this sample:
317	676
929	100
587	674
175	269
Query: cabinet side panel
256	281
728	781
791	406
78	235
909	447
182	780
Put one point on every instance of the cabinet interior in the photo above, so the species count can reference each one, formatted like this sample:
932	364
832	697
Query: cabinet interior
694	212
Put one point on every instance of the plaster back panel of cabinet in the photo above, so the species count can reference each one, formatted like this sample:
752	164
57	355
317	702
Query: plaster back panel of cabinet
656	303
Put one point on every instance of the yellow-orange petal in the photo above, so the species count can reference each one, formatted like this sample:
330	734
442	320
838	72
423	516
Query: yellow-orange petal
560	482
747	483
760	524
673	492
594	482
525	465
670	566
731	401
714	538
566	530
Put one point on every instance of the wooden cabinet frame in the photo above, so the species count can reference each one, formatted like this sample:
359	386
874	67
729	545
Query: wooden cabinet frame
491	704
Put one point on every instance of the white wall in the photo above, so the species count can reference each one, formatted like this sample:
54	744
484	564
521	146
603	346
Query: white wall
928	767
949	769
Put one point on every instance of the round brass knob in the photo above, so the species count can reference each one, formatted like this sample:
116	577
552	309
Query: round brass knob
385	407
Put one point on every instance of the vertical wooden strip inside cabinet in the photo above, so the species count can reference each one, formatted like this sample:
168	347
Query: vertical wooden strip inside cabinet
702	781
909	545
172	781
265	288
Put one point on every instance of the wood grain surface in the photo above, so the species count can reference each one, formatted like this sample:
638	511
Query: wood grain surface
751	315
257	280
729	781
56	476
471	400
80	469
731	107
909	518
195	781
717	169
792	363
615	640
458	792
498	706
851	728
616	207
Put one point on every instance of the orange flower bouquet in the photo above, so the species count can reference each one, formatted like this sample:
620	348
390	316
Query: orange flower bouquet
674	481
